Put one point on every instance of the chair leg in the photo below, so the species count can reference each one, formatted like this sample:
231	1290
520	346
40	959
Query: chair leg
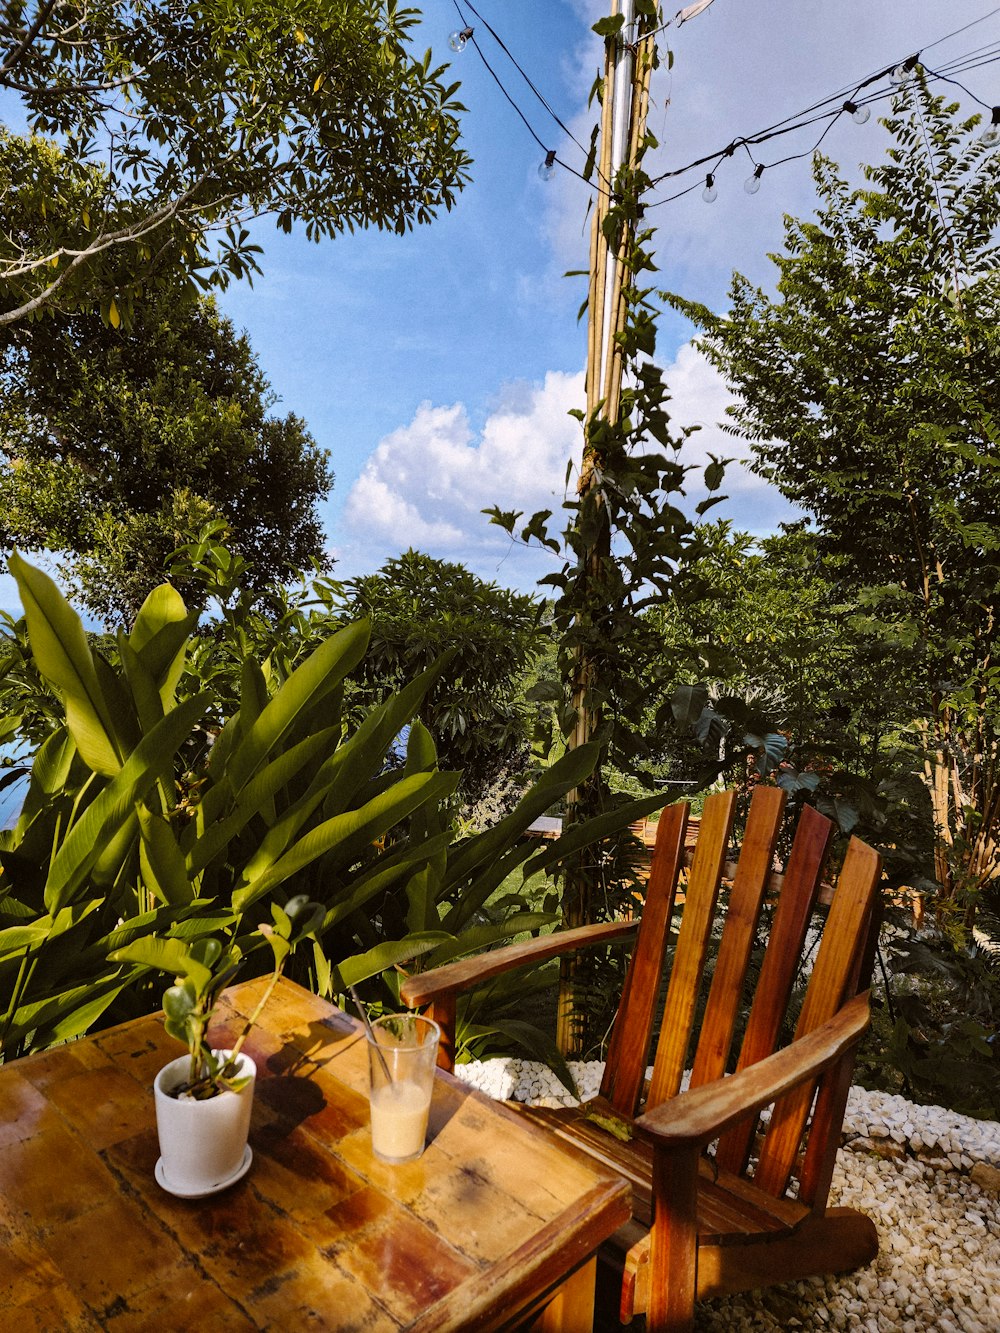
834	1242
673	1254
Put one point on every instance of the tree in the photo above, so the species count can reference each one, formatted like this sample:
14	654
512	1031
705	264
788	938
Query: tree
868	386
167	123
419	608
118	446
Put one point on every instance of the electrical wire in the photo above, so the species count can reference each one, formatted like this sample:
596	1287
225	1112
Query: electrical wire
827	109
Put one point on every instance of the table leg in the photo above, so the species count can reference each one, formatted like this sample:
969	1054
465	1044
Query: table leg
571	1309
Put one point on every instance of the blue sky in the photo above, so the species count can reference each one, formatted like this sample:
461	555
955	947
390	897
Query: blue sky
438	368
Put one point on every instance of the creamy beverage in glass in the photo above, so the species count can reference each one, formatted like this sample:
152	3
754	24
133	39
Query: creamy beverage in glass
402	1056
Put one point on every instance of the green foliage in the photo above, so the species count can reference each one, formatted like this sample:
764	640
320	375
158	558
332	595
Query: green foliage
936	1040
118	446
867	387
159	816
420	607
178	122
202	971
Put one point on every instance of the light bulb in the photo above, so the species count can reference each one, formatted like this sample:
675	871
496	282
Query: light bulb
459	39
752	183
547	169
903	71
710	193
860	114
991	135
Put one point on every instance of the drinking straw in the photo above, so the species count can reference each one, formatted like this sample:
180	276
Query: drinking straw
371	1034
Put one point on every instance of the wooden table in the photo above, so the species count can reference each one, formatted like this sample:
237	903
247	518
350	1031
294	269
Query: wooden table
319	1234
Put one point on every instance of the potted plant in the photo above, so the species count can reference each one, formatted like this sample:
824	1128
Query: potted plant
203	1099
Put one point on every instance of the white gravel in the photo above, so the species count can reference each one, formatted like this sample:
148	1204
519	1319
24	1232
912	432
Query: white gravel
929	1178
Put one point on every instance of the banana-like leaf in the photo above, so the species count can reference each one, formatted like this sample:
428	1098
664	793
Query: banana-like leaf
163	608
421	752
421	894
62	1017
386	870
201	848
336	782
115	854
161	861
63	656
566	773
254	697
475	897
115	804
320	673
162	643
483	937
354	970
601	826
49	775
161	920
145	691
120	705
350	832
15	939
364	753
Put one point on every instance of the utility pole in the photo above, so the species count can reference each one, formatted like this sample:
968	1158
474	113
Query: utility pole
625	105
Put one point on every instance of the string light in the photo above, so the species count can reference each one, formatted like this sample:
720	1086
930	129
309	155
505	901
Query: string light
903	71
827	109
752	183
547	168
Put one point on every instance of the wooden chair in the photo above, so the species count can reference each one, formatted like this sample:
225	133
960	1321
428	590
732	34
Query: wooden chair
707	1223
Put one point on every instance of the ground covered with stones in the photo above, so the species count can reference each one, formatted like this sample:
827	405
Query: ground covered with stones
930	1180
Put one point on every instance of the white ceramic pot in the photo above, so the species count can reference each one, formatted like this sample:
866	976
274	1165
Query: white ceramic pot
203	1144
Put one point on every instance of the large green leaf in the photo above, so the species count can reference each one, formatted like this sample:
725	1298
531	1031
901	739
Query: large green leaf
165	955
350	832
116	803
201	847
566	773
388	954
15	939
320	673
63	657
483	937
164	607
146	697
385	871
70	1013
160	638
161	861
582	835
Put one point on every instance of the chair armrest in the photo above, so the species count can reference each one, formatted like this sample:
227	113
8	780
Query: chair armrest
453	978
695	1118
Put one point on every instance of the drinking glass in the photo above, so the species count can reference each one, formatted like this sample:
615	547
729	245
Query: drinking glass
402	1056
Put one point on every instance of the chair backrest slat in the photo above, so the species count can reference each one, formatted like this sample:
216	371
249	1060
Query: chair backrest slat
628	1050
701	896
834	976
753	871
799	890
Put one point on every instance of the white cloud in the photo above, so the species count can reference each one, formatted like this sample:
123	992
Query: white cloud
699	397
426	483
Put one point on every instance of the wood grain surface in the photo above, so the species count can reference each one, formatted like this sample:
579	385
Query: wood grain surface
318	1235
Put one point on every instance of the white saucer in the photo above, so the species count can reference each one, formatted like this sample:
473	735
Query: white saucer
182	1193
